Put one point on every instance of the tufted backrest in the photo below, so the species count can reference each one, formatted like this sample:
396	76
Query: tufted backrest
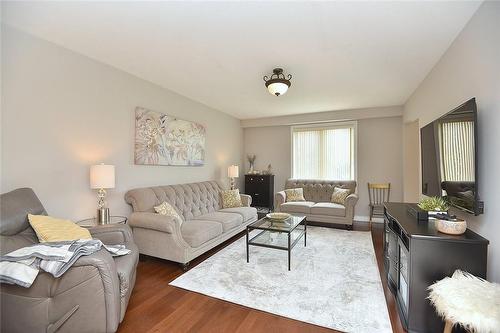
190	200
319	190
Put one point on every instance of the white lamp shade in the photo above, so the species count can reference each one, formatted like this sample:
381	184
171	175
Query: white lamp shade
102	176
277	88
233	171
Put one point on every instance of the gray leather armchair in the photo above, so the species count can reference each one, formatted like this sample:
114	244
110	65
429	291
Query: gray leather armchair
91	296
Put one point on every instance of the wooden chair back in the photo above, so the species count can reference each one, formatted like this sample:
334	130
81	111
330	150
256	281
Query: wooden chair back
379	193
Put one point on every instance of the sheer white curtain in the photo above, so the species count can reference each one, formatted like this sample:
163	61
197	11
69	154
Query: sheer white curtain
457	150
323	153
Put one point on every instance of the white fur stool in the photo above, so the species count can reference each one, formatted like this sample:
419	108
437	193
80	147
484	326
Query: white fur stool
468	301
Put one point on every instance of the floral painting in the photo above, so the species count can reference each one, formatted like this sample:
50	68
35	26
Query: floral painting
161	139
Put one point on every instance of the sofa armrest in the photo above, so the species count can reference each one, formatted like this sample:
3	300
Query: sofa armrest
112	233
67	296
154	221
246	200
350	203
279	199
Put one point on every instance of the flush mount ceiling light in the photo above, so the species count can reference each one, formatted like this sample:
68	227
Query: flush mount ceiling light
277	84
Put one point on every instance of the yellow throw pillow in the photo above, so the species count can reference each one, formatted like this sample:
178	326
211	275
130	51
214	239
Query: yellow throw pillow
294	194
339	195
231	199
167	209
50	229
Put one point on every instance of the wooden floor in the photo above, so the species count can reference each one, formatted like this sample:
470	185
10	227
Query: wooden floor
157	307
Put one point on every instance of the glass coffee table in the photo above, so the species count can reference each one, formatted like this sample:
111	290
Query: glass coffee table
280	235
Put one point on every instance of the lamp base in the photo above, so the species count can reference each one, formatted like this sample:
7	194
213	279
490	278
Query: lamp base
102	215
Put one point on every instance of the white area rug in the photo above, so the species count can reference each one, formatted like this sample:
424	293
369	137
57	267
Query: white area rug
334	281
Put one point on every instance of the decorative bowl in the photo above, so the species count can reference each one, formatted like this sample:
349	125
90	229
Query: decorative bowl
278	216
457	227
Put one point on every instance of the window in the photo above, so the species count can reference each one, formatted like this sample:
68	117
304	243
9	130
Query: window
457	150
324	152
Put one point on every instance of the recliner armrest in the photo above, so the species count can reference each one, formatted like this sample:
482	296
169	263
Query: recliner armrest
154	221
105	264
246	200
112	233
67	295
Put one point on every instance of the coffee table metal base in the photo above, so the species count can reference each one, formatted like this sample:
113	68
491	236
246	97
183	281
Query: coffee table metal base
261	239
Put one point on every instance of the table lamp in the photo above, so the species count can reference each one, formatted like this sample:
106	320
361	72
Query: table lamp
232	172
102	177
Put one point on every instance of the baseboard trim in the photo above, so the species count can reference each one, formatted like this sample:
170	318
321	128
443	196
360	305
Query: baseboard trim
361	218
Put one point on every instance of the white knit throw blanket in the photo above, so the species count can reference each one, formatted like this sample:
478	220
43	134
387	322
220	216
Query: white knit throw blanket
21	266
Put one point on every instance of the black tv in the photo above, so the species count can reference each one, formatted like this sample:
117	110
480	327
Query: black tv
449	151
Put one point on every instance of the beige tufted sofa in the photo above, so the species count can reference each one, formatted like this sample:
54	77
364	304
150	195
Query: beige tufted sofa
204	223
318	206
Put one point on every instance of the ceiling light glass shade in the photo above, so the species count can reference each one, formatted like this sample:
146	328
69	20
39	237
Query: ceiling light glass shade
277	83
277	88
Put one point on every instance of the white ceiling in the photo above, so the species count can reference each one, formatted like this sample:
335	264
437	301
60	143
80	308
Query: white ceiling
342	55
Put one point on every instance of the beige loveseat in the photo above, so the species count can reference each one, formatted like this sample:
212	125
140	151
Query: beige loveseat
204	224
318	206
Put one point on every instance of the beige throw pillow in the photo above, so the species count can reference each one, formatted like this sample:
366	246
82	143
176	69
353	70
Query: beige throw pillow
50	229
168	210
339	195
294	194
231	198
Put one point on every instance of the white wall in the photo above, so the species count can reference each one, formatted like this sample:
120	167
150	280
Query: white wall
411	162
62	112
471	68
379	155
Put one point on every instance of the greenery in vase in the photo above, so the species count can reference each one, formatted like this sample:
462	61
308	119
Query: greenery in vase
434	204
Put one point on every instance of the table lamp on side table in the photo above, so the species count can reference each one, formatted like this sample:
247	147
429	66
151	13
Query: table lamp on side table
102	177
233	172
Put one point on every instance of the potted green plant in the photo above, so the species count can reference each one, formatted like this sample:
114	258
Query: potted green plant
434	205
445	224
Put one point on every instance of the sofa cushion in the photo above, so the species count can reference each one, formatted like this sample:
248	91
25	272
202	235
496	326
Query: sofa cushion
168	210
328	208
228	220
294	194
339	195
50	229
248	213
231	198
297	207
197	232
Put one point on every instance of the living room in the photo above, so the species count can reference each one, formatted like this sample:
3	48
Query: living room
116	114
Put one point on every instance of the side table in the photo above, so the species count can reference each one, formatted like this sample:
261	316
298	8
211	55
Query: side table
92	222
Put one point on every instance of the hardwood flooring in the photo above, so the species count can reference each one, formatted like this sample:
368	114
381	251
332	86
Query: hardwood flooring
157	307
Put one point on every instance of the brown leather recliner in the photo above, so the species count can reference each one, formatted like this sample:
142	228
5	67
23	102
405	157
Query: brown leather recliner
91	296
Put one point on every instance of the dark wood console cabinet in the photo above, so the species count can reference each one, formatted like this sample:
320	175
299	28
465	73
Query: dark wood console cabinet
416	255
261	188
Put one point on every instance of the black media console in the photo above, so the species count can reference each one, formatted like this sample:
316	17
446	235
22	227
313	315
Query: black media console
417	255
